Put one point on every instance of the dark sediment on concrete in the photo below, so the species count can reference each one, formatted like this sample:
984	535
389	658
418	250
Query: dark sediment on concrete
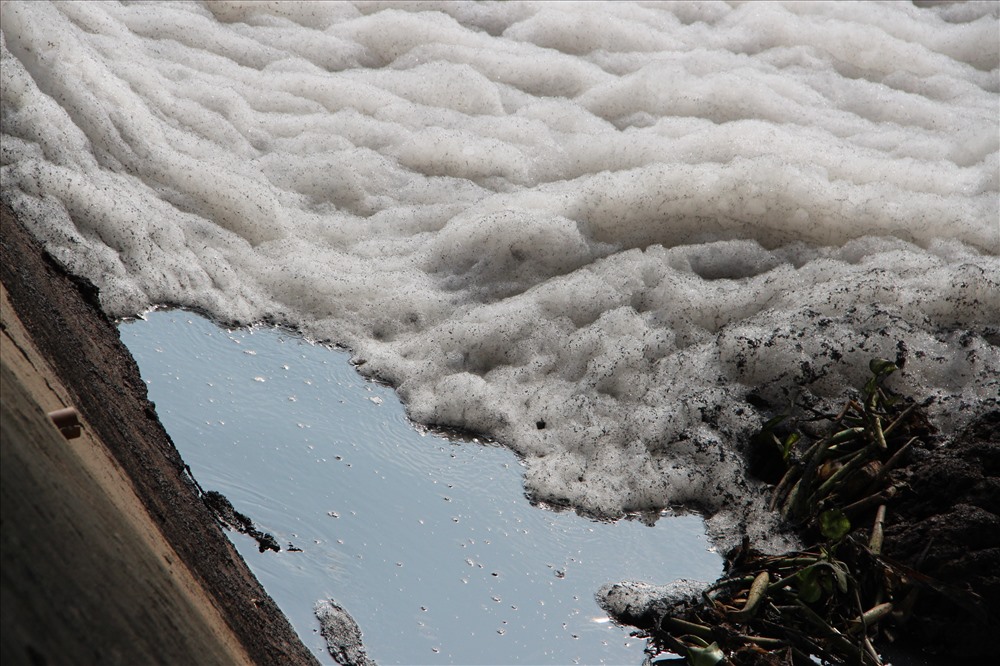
74	589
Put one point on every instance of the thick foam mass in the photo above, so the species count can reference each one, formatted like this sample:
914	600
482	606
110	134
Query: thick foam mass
611	220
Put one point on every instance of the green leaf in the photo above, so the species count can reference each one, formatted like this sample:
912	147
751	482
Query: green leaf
786	449
834	525
810	586
840	572
773	422
881	367
705	656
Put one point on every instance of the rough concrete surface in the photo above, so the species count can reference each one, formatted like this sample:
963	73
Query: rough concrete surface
109	554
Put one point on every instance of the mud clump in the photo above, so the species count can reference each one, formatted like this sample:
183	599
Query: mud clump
945	523
232	519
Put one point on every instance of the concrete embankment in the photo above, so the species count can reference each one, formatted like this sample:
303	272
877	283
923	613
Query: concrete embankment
109	555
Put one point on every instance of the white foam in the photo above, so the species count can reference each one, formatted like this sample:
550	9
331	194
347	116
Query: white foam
613	218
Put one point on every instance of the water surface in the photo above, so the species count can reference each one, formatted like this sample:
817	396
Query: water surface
430	544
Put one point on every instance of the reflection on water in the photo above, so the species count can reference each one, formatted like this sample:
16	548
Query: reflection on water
429	544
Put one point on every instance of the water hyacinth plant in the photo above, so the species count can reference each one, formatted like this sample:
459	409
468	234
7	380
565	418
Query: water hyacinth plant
831	600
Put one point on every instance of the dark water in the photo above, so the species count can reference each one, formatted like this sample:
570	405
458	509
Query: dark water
429	544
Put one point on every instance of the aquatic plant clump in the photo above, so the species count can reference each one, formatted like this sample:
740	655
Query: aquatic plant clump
833	599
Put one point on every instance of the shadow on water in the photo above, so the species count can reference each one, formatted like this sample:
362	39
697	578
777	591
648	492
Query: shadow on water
429	543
